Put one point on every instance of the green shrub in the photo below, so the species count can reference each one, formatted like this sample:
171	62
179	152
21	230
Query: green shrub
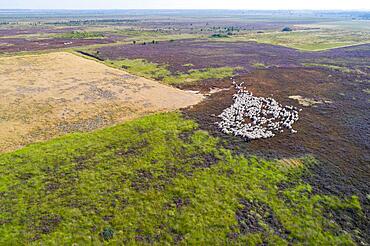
81	35
219	35
287	29
107	233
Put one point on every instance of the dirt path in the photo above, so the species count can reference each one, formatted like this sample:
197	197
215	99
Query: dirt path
43	96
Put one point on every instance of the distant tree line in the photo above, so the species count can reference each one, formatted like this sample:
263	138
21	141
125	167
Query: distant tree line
91	22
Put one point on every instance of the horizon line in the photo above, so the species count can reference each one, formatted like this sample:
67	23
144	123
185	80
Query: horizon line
359	10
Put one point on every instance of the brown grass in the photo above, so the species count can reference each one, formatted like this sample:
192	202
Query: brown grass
43	96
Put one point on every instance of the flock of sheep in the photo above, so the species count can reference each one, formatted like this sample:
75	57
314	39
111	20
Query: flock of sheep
254	117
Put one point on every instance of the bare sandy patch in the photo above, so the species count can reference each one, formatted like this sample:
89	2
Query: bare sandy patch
43	96
307	102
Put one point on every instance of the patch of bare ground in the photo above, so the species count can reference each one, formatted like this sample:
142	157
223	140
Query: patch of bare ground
43	96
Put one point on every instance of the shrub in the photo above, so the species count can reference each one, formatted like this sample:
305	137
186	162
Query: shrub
219	35
287	29
107	233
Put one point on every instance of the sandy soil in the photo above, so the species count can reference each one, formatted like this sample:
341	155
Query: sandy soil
43	96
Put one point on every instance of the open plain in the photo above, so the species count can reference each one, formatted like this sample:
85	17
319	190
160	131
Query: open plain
110	127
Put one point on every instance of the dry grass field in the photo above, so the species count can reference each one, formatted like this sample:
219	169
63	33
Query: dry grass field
47	95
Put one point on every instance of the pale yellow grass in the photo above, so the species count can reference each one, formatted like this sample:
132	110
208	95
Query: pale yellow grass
43	96
308	101
290	163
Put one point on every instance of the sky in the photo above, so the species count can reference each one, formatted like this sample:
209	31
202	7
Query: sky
187	4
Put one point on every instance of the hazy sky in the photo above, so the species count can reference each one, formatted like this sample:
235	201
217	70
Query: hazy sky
185	4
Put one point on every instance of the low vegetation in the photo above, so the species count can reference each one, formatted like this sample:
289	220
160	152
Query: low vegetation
188	65
140	36
160	180
141	67
91	22
195	75
308	40
333	67
259	65
156	71
81	35
219	35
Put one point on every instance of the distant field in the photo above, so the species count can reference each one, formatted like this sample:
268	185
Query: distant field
307	40
19	45
191	61
47	95
312	31
346	25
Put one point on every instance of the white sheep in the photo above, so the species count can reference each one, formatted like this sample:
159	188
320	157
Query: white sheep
266	115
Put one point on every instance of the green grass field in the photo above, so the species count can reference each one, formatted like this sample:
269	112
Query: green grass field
156	71
160	180
81	35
